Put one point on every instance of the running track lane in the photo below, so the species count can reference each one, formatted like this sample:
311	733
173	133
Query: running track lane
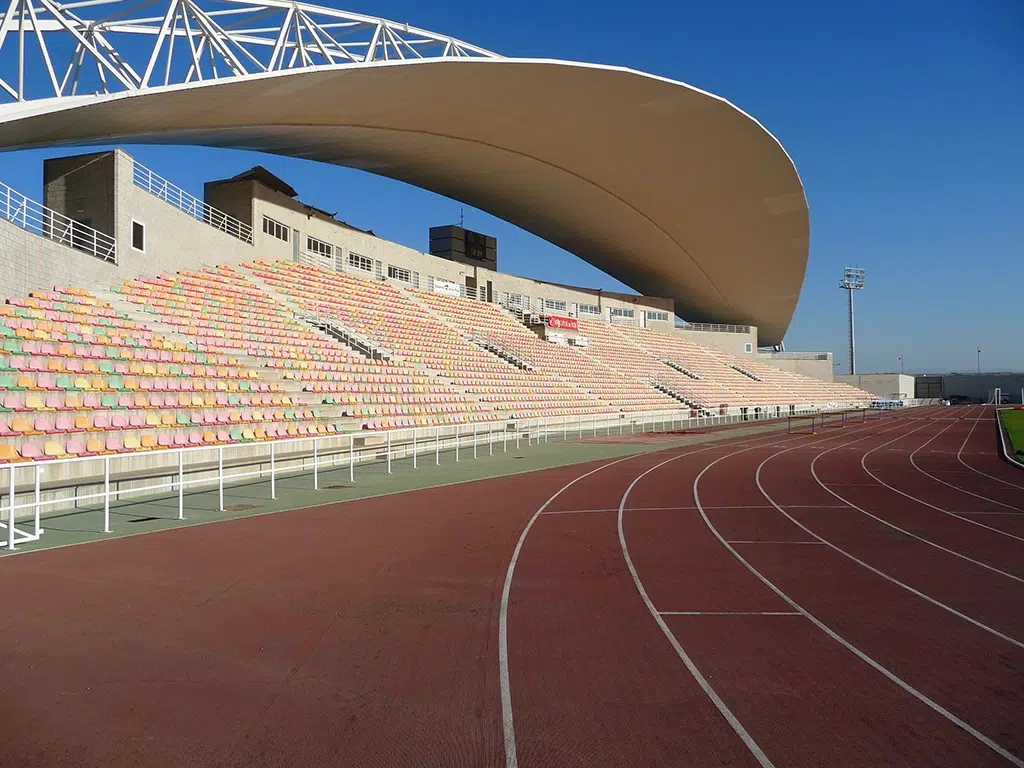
974	674
969	461
593	679
782	677
941	482
986	594
357	634
942	517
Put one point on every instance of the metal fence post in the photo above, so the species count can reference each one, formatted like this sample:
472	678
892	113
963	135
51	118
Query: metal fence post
39	472
351	459
474	439
273	473
490	439
106	495
437	445
316	464
181	485
220	477
456	442
10	514
389	451
415	463
565	428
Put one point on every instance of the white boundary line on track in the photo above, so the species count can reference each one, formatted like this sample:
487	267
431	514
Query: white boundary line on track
507	718
1006	453
904	531
845	643
702	681
730	613
956	487
876	571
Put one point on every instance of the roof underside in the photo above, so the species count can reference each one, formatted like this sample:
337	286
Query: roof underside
671	190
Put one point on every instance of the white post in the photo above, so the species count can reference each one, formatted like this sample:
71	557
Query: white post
106	495
220	477
474	439
437	445
456	442
579	424
389	451
181	485
273	472
529	434
490	439
10	514
39	472
415	464
504	437
351	459
565	428
316	464
517	435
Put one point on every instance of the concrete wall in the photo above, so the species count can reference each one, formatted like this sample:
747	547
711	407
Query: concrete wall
29	262
82	188
817	367
978	387
738	344
881	384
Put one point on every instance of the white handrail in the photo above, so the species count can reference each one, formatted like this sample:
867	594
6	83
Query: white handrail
325	451
39	220
174	195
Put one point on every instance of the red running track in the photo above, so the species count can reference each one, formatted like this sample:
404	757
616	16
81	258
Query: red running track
762	600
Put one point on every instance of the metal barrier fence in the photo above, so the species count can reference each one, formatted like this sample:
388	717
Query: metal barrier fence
221	465
36	218
174	195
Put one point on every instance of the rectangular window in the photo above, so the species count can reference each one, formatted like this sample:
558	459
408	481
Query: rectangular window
621	312
360	262
138	236
275	229
589	309
397	273
553	305
748	347
663	316
319	247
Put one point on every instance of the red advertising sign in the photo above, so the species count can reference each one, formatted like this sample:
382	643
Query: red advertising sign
557	321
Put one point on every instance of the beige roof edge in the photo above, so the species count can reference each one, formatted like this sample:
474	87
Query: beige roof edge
672	190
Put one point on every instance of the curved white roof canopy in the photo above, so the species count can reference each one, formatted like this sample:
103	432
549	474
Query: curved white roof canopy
671	190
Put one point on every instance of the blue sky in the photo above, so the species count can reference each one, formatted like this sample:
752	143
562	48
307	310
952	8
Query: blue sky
905	121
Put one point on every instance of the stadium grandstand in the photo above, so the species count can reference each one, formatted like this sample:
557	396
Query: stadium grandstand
275	324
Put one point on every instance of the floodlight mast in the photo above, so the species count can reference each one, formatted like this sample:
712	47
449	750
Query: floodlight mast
853	280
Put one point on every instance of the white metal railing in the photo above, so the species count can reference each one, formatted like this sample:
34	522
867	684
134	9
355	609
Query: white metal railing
204	466
39	220
714	327
795	355
174	195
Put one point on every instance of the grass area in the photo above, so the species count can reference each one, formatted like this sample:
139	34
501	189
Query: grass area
1014	421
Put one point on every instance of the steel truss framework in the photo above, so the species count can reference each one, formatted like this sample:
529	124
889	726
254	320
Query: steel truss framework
52	50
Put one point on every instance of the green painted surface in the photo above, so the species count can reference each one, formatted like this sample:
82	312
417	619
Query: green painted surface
158	513
1014	422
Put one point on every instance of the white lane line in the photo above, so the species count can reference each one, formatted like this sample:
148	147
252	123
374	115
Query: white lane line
961	490
854	558
702	681
752	541
959	456
929	542
847	644
507	720
730	613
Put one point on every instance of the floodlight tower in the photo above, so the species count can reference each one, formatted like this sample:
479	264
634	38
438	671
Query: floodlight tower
853	280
